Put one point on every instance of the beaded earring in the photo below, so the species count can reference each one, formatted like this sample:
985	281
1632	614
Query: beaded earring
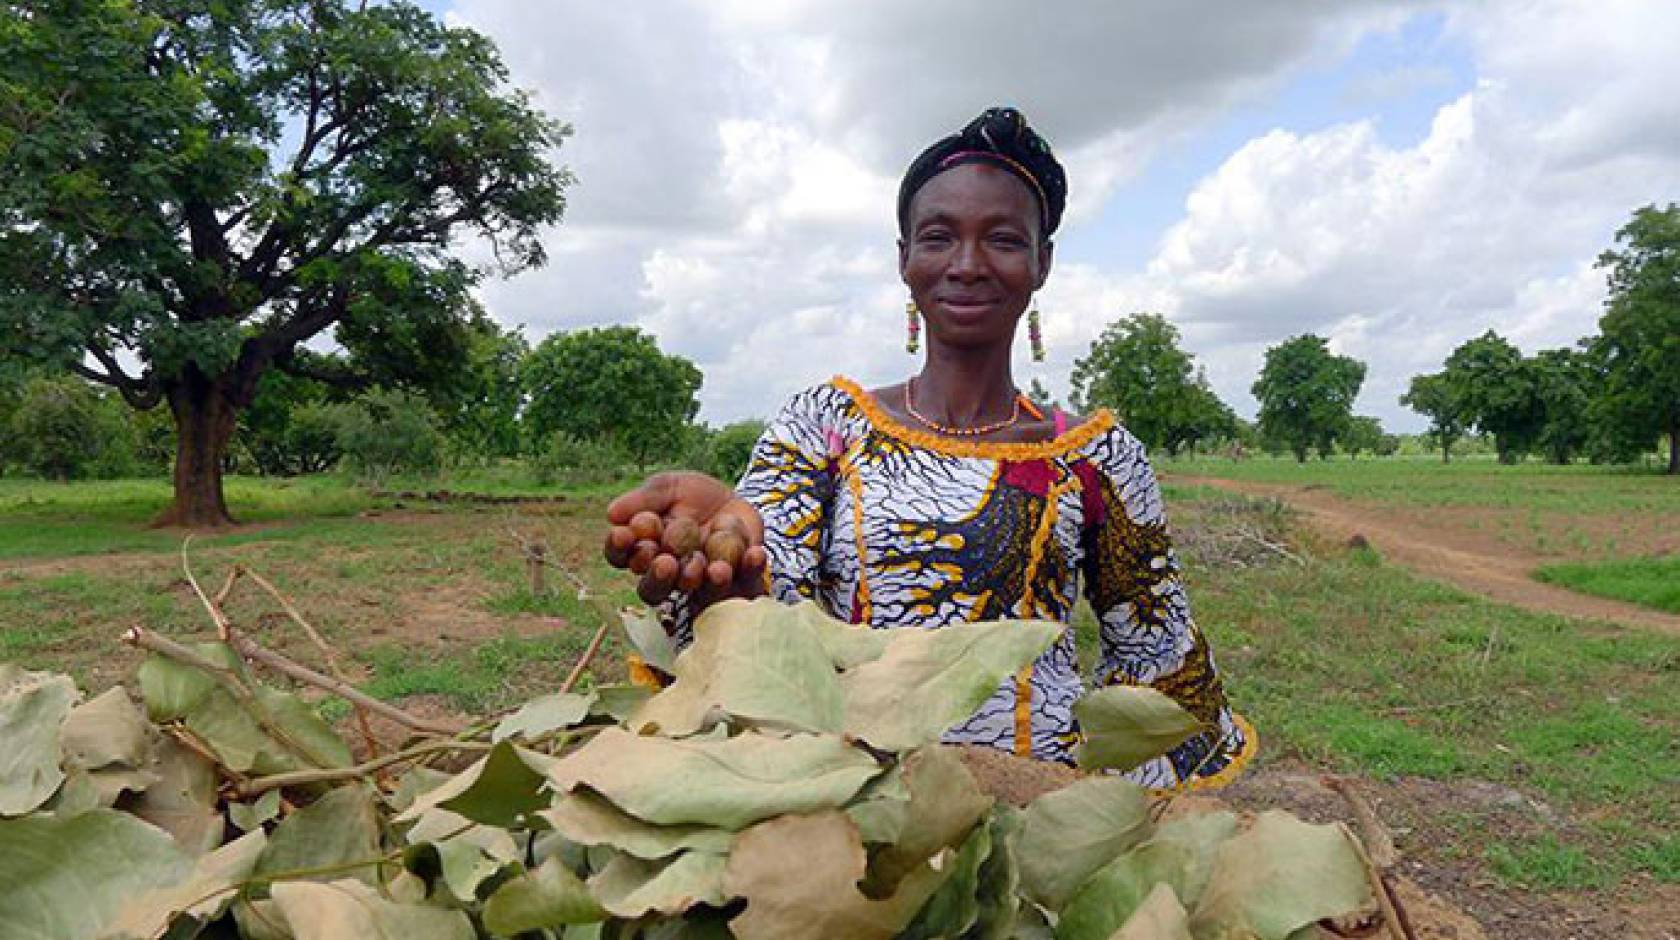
1035	335
914	323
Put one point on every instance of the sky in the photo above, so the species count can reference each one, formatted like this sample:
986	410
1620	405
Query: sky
1395	176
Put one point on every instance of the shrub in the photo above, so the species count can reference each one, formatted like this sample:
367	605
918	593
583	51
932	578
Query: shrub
726	452
389	431
56	431
575	461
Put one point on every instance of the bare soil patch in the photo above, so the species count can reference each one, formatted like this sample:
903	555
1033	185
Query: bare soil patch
1444	549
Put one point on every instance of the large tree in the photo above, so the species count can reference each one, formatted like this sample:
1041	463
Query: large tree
610	384
189	190
1434	397
1306	394
1641	329
1499	392
1137	368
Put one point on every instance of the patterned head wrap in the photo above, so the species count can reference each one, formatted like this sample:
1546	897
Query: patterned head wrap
999	137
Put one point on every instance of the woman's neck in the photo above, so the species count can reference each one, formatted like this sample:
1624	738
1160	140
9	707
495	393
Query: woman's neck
965	388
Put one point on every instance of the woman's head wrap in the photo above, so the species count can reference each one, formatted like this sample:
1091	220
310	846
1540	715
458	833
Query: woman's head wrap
1001	138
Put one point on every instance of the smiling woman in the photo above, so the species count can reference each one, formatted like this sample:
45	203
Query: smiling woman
952	497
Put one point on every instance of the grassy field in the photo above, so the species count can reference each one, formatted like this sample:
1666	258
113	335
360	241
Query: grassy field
1341	661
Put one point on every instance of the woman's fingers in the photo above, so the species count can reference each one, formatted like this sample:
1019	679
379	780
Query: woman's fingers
693	573
621	544
641	559
655	495
660	580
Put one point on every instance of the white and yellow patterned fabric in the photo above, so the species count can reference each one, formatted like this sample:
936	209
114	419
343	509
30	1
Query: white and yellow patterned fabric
884	525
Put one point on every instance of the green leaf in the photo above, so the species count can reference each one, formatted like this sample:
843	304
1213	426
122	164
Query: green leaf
548	897
203	896
955	906
541	715
996	897
1125	725
649	639
500	789
847	645
729	783
618	702
464	853
33	707
249	817
1179	854
929	680
758	661
171	689
587	819
339	828
1068	834
65	878
107	730
183	800
882	808
340	909
632	887
1159	917
945	803
1277	877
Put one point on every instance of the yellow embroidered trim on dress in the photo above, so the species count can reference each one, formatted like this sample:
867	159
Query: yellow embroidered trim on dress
1071	439
854	482
1023	711
1230	772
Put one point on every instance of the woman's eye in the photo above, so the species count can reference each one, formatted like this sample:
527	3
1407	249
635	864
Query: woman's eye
934	238
1008	240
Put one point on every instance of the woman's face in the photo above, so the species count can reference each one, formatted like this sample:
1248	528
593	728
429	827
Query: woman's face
973	255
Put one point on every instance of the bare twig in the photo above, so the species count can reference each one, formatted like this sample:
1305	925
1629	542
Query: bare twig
229	680
297	778
252	650
588	654
1492	640
227	586
362	707
215	612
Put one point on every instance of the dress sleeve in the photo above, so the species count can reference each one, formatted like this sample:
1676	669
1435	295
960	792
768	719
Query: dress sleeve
790	480
1147	636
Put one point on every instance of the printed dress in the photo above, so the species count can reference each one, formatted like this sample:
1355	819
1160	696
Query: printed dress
885	525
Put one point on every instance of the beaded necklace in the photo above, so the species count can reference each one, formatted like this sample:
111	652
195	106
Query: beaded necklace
910	406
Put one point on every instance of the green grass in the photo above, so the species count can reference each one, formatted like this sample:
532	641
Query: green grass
1547	862
1653	582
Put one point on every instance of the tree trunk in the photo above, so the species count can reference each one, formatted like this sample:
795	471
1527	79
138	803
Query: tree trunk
204	421
1446	449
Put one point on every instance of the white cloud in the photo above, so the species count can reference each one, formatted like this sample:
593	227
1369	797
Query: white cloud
738	163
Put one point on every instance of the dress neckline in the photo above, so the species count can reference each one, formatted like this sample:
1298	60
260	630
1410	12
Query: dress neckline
1075	437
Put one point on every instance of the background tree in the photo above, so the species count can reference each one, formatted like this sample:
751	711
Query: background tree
1040	394
1306	395
1499	393
1563	383
610	384
1363	434
1435	397
190	191
1641	329
1137	369
56	429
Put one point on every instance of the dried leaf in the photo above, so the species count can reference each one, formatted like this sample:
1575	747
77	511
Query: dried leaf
1125	725
1279	876
500	789
649	639
340	827
548	897
183	800
544	714
618	702
107	730
340	909
33	707
729	783
67	877
250	816
945	803
956	905
203	896
588	819
1068	834
847	645
757	661
632	887
929	680
996	894
882	808
799	875
1159	917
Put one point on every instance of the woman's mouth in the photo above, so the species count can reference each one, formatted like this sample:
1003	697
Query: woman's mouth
965	308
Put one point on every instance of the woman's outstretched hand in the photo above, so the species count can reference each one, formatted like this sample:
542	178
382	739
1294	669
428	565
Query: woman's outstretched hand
690	533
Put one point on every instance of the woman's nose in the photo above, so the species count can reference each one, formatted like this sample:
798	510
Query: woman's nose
968	262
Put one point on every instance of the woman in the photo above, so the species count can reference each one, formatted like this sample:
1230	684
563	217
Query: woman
951	497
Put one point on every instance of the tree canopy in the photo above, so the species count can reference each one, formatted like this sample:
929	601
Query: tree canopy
1306	395
612	384
1137	369
1641	329
189	191
1433	397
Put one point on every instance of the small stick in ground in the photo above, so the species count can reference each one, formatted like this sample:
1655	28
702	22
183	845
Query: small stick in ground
588	654
215	612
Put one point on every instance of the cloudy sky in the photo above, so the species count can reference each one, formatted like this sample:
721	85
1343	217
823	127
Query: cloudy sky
1397	176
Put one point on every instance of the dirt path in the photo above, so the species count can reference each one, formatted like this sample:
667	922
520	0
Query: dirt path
1465	559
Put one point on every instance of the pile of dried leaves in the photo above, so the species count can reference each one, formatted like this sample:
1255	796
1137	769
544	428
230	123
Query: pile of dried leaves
788	784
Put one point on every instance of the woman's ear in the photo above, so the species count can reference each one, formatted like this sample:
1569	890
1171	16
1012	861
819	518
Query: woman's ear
903	257
1046	254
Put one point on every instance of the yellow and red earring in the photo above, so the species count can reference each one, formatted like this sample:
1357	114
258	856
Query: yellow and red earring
913	323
